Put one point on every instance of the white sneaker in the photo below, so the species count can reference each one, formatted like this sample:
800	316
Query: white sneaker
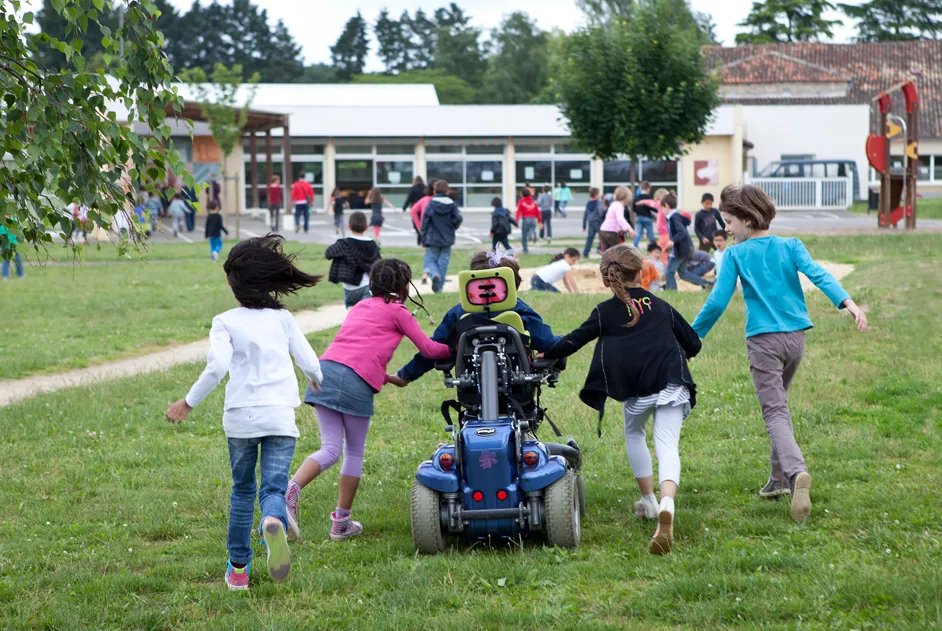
646	507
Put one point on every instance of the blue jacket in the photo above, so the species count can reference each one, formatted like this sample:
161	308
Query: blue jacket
541	337
768	268
439	222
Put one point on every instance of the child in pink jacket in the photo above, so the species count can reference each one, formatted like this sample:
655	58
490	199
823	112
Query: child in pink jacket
354	367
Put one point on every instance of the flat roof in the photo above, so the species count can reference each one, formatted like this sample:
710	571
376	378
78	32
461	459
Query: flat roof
268	95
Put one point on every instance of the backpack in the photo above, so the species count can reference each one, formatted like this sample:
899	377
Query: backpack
502	225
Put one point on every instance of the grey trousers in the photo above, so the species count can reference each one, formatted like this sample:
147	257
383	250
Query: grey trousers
774	359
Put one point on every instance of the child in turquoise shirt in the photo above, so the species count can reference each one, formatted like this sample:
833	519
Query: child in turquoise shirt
776	318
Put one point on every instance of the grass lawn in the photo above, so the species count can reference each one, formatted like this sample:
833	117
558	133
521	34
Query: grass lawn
926	208
115	519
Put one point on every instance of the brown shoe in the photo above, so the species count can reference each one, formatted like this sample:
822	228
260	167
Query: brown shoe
801	496
663	538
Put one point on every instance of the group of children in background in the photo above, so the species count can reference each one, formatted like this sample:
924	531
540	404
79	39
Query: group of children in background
640	360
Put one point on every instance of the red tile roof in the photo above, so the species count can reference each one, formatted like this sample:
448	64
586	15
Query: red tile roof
775	67
870	68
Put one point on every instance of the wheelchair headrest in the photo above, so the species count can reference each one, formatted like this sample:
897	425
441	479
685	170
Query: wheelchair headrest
487	290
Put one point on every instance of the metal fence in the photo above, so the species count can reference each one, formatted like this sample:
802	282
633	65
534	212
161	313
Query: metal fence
808	193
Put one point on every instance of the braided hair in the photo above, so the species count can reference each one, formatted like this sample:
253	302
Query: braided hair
259	273
390	280
621	268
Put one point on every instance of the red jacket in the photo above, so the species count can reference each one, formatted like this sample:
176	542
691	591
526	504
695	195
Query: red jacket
527	209
302	192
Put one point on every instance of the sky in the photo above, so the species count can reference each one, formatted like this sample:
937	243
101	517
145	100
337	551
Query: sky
316	24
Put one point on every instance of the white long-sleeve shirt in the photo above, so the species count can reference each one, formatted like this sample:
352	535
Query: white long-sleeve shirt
255	347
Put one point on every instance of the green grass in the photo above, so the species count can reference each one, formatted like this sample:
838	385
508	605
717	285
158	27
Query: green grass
115	519
926	208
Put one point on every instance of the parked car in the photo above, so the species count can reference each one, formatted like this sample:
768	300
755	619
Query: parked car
813	168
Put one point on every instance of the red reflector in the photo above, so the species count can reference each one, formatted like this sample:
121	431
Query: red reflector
502	495
530	458
447	461
477	496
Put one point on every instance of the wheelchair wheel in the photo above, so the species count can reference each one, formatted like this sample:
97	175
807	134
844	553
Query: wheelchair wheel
563	512
425	509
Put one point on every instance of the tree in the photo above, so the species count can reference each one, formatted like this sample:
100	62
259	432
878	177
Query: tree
52	22
348	55
394	47
421	33
60	141
638	88
772	21
318	73
219	104
518	66
707	28
896	20
451	90
458	49
598	12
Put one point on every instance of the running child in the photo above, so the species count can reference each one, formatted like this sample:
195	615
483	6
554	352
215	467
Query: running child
254	343
502	224
529	216
640	359
680	245
351	259
776	321
541	335
376	201
560	268
354	368
177	212
339	204
214	230
417	211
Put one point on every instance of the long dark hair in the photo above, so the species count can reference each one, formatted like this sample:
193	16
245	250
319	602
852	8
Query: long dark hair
390	280
259	273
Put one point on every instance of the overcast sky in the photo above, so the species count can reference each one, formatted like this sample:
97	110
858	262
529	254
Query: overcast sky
316	24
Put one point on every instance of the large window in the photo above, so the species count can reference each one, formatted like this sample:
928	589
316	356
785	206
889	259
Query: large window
539	170
536	172
660	173
473	182
452	171
395	179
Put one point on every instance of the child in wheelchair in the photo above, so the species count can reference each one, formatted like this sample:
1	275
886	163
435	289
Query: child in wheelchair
540	334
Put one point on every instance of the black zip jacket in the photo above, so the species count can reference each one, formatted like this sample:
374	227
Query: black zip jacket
350	259
214	227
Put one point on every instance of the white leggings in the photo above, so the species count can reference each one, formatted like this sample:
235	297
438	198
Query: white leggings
667	422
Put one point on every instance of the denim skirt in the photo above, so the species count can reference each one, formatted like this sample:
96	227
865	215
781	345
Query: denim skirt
343	391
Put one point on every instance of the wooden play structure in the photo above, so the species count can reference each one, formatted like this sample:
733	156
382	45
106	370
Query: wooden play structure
897	184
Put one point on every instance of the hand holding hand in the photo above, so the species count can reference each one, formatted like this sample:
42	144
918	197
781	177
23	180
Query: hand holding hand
313	384
538	356
397	381
178	411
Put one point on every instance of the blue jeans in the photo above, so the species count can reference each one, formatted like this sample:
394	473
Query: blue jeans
538	284
561	208
301	210
353	296
547	228
215	245
527	229
436	263
642	224
677	265
592	229
276	463
700	269
18	262
190	220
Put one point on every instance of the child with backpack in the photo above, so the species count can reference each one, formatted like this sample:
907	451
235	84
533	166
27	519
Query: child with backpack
257	338
776	321
640	359
351	259
354	368
502	224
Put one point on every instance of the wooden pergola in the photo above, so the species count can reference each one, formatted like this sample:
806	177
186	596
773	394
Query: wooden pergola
257	122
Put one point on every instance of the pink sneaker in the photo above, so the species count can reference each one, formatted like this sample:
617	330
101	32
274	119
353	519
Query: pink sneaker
343	529
291	509
237	578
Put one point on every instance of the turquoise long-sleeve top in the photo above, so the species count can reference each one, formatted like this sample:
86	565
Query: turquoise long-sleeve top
768	268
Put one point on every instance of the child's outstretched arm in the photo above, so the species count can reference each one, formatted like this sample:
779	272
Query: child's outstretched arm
217	365
685	335
420	364
826	282
304	355
719	298
587	331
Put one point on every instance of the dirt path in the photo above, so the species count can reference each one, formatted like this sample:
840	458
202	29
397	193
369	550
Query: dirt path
18	389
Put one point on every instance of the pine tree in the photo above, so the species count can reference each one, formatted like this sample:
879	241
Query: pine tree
348	55
772	21
458	49
392	41
422	37
896	20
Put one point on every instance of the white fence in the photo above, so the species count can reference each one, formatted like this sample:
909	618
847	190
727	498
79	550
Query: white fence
807	193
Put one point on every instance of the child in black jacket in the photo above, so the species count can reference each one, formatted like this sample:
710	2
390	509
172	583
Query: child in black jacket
640	359
680	245
351	259
214	230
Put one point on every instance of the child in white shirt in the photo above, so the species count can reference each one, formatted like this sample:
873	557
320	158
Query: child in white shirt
254	343
560	268
719	240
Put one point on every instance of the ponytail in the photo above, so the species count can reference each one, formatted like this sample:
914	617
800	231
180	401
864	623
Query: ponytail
570	252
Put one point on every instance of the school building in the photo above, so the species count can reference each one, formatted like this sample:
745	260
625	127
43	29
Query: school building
780	102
